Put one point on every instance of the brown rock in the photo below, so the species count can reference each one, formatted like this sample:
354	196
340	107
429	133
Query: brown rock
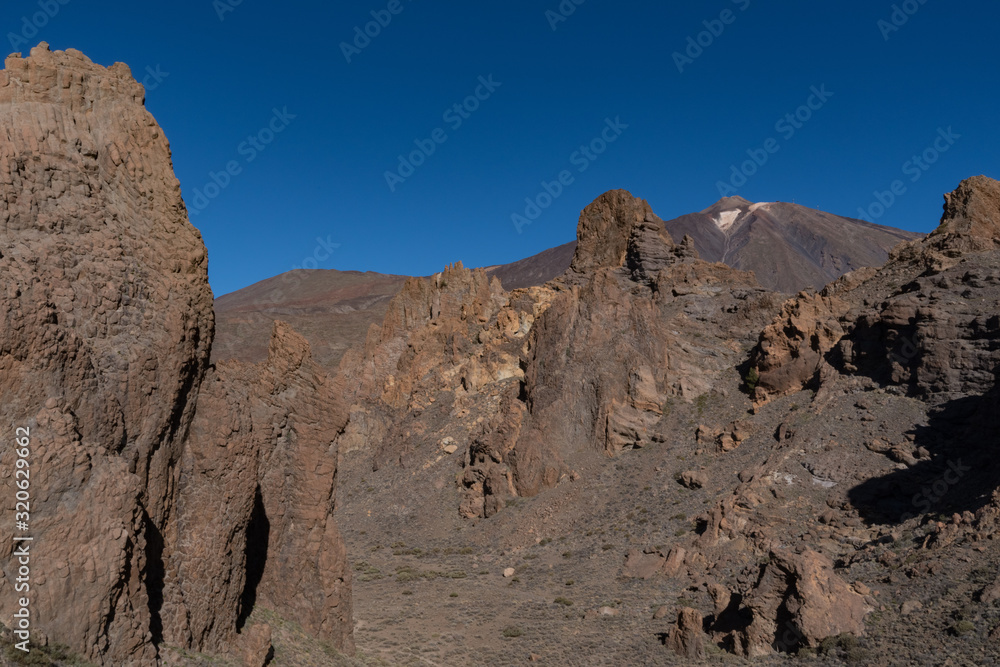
973	210
720	597
642	565
686	638
164	481
255	646
991	593
791	350
694	479
799	601
675	560
606	226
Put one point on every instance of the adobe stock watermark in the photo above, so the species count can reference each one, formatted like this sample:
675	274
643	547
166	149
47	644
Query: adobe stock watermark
581	158
915	168
899	17
454	116
223	7
248	149
714	28
562	13
924	500
31	24
787	126
290	280
154	77
381	18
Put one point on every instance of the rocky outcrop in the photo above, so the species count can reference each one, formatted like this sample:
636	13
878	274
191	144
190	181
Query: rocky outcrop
254	515
686	638
152	473
798	601
971	212
584	364
918	322
607	354
606	227
793	348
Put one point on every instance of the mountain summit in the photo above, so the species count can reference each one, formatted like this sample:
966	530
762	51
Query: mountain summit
787	246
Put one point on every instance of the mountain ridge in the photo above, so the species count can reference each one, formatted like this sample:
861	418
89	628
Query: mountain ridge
334	309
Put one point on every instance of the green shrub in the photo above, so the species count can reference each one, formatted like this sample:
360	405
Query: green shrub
963	628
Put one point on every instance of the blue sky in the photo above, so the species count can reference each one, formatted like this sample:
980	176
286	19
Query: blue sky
600	100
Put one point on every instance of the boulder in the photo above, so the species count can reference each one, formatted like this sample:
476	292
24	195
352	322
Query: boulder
798	601
686	638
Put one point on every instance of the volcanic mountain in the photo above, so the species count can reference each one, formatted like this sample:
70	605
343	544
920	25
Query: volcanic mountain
787	246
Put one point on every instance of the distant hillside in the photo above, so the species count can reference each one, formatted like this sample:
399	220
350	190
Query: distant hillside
536	270
787	246
333	309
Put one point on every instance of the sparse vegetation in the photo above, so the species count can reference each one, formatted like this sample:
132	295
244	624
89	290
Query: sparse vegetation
963	628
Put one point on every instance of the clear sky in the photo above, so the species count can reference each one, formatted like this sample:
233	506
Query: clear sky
663	99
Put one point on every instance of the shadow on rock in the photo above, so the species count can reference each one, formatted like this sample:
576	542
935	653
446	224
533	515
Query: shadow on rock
960	474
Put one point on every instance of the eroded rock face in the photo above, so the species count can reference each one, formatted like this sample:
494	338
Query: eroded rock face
798	601
254	515
686	638
616	343
972	210
107	320
607	225
137	446
793	348
918	322
526	379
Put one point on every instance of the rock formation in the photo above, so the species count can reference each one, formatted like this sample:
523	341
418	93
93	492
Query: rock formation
506	360
799	473
798	601
686	637
167	495
334	309
918	322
